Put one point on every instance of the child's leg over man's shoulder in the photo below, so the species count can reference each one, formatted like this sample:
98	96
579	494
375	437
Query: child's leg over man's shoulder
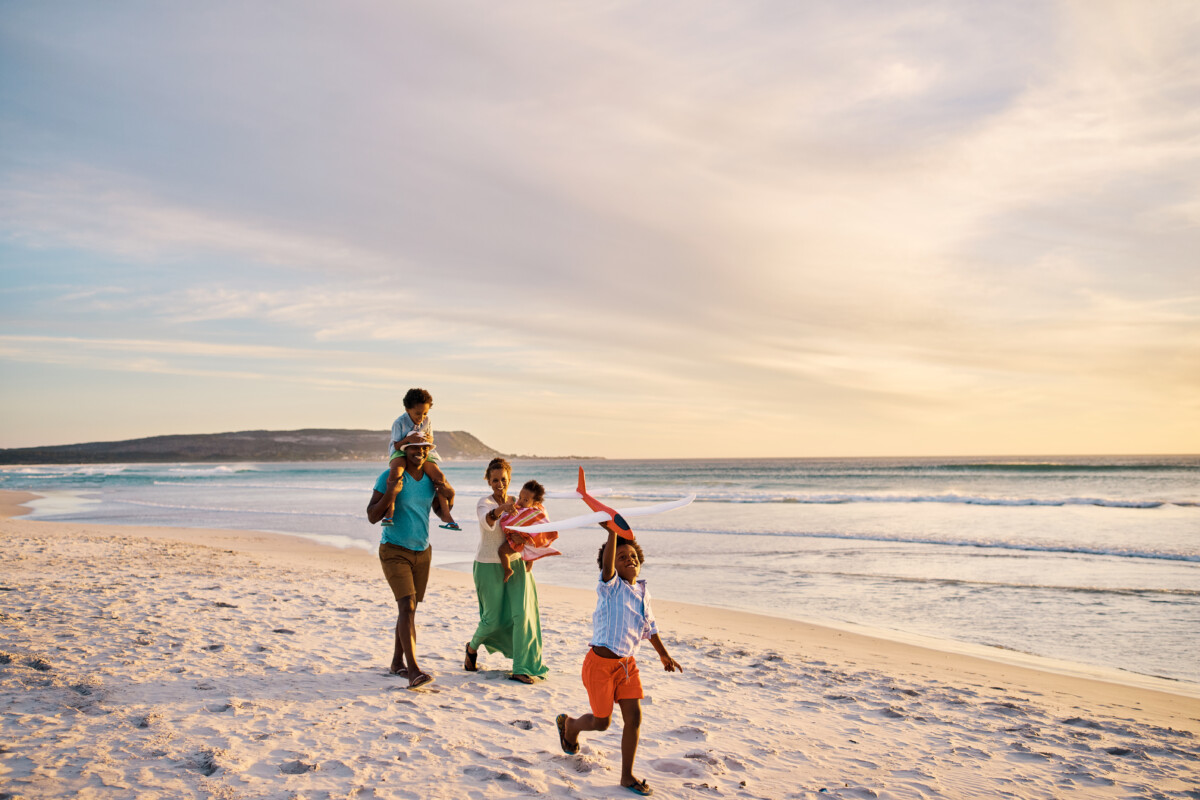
435	474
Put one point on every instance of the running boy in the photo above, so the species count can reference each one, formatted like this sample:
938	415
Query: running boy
621	620
532	546
411	427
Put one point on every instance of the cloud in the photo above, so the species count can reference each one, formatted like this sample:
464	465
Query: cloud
89	211
906	212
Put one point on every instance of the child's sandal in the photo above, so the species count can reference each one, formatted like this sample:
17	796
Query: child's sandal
569	749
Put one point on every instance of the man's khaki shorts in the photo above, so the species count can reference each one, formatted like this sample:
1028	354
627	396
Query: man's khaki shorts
407	571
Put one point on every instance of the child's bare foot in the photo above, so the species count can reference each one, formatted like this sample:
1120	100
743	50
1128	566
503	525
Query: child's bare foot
508	570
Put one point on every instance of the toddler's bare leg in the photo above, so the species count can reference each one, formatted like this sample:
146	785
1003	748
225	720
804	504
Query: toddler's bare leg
396	473
443	500
506	552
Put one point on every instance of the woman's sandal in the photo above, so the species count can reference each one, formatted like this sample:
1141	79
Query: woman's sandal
569	749
520	678
469	663
640	787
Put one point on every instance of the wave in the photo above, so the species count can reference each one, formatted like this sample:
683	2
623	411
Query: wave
1033	547
58	472
275	487
216	469
1115	552
247	511
325	487
971	500
1102	590
1064	467
762	497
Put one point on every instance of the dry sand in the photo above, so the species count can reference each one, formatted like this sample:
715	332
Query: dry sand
135	662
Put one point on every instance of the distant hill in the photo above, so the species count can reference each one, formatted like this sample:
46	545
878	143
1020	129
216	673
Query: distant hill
314	444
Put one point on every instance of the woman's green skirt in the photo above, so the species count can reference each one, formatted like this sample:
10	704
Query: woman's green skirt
508	617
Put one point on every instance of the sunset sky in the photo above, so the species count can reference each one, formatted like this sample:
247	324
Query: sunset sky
626	229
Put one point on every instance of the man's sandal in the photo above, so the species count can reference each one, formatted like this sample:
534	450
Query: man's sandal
420	679
640	787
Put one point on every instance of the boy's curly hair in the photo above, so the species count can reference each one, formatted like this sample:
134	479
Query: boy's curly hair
415	397
637	548
536	489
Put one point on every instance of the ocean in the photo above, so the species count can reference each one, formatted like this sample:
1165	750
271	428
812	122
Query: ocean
1089	560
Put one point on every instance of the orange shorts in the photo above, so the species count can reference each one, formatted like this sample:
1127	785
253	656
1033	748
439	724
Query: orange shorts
609	679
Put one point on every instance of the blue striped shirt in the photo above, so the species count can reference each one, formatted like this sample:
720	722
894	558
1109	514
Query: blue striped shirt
623	617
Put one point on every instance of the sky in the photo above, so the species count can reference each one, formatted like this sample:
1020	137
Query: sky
621	229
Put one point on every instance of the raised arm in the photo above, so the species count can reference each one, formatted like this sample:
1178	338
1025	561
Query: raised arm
609	567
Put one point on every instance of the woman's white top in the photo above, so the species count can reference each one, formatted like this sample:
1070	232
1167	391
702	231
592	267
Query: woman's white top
490	536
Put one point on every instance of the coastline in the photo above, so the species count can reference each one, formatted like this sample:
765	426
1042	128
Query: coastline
840	709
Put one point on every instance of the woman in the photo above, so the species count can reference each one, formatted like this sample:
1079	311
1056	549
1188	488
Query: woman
508	612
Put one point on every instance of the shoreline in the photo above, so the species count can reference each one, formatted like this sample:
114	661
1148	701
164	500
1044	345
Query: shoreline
197	663
998	655
929	650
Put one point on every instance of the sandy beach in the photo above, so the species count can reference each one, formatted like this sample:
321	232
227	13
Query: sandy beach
135	662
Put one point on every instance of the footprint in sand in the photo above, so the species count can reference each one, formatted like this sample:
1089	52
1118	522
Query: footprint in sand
675	766
1080	722
703	757
296	767
203	762
690	733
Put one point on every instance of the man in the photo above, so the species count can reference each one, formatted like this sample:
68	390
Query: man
404	549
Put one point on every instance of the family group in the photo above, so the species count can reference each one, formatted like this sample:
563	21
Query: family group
414	486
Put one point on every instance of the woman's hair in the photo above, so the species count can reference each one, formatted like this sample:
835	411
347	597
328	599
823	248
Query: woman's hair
415	397
497	463
637	548
536	489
